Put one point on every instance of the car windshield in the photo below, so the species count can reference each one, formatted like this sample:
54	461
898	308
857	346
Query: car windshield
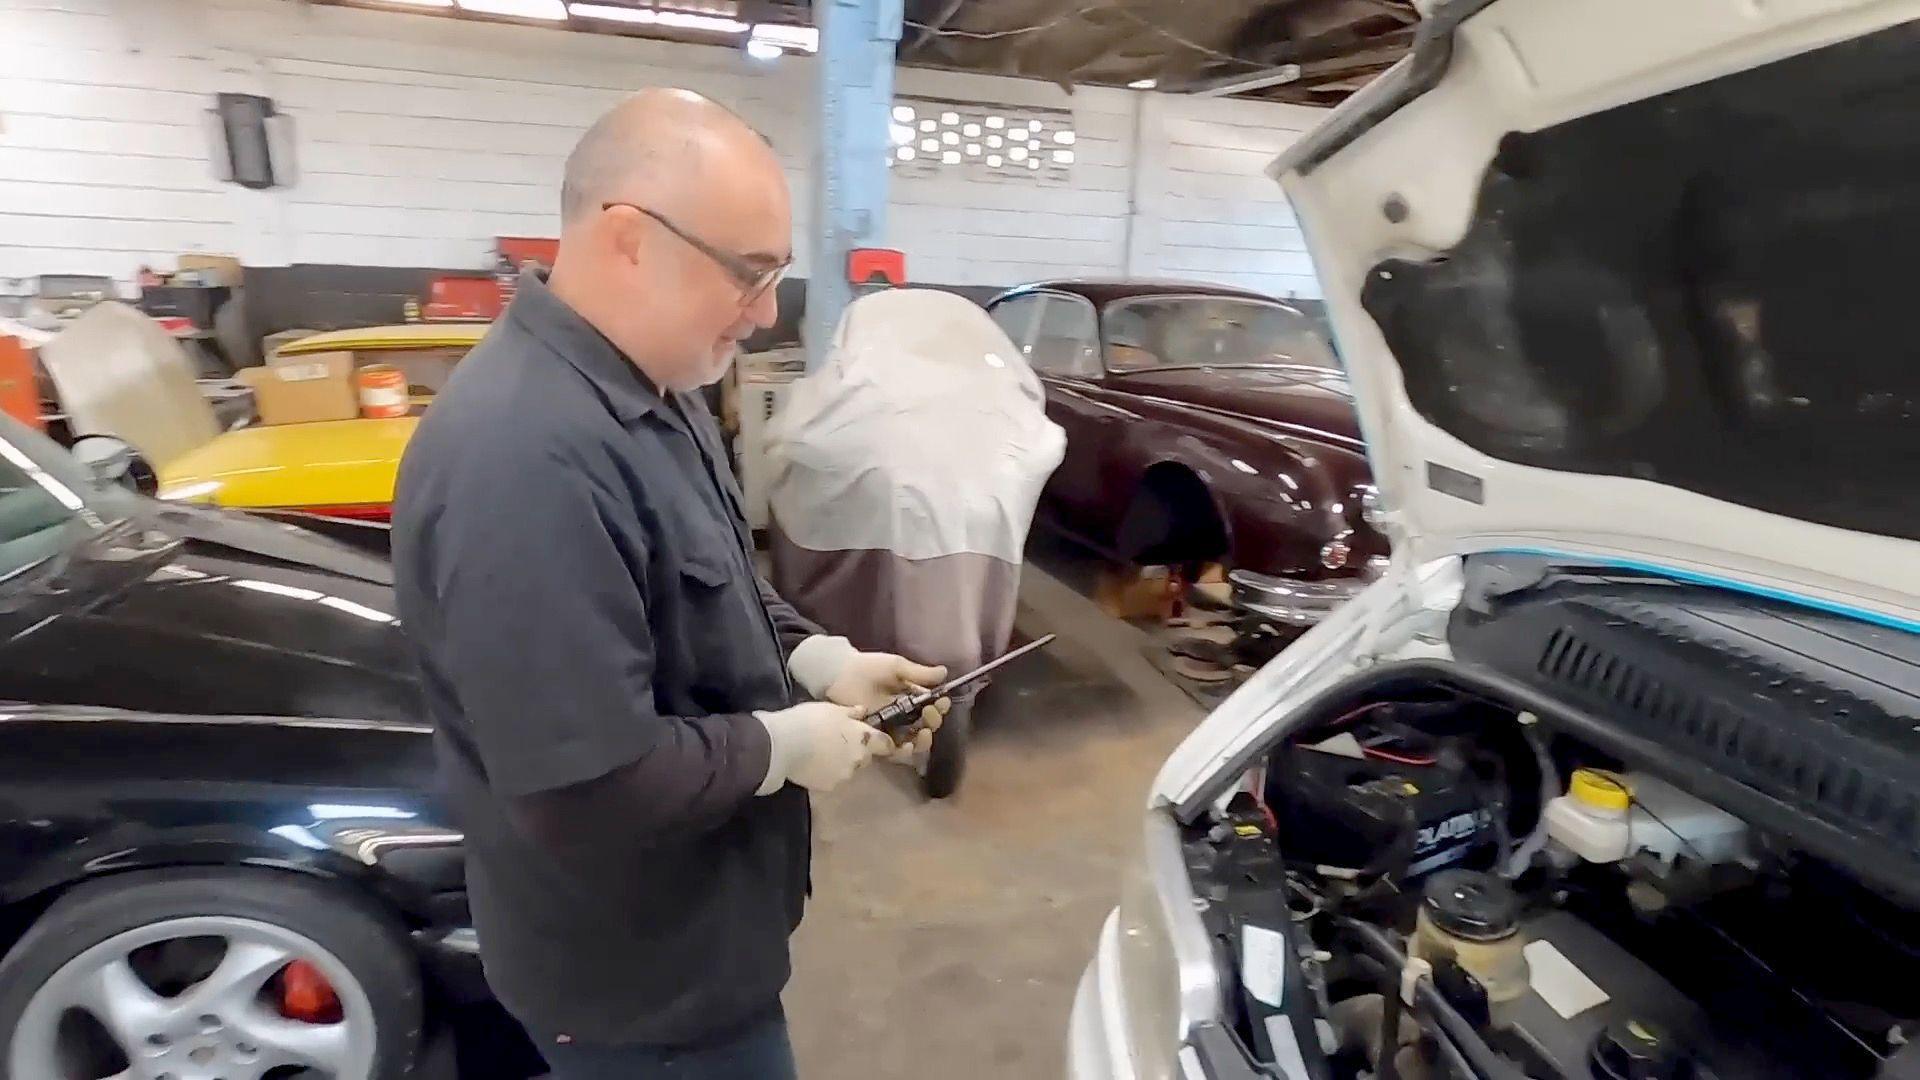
44	491
1212	331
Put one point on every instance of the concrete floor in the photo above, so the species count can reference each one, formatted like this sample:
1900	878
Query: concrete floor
944	939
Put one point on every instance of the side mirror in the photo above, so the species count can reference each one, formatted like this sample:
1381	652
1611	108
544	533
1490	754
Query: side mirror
113	460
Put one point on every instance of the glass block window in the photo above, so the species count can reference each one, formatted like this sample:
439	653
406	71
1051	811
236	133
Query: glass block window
972	140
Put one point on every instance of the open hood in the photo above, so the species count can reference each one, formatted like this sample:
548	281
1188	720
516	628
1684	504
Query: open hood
1628	280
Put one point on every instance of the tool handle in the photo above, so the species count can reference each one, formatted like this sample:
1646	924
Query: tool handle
898	716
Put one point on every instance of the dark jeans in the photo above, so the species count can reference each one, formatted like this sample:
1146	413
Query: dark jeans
758	1052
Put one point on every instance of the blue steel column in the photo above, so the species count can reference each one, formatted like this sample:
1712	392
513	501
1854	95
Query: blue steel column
857	41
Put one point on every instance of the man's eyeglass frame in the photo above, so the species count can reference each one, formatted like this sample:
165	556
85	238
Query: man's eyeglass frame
753	279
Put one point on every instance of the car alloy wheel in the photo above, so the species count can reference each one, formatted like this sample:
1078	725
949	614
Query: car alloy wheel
195	998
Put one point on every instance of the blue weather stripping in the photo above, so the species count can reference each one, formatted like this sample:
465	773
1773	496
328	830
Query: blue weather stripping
1845	611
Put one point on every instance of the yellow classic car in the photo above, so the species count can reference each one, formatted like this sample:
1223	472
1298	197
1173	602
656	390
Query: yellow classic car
339	468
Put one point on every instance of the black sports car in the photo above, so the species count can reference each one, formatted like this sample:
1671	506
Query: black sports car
219	852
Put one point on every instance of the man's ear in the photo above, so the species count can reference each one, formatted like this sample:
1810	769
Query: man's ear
620	229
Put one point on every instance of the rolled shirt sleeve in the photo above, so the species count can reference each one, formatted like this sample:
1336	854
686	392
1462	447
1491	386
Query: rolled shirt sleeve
546	637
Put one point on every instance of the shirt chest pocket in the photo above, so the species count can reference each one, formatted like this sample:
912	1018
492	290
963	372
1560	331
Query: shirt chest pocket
706	572
718	633
705	568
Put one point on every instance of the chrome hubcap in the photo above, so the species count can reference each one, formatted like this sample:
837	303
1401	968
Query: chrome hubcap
190	999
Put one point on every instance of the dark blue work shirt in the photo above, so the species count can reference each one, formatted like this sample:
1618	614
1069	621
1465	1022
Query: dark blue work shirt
575	575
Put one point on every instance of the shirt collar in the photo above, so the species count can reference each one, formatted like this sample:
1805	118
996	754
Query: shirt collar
628	393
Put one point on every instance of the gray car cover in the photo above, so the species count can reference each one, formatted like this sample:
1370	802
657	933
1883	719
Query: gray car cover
904	479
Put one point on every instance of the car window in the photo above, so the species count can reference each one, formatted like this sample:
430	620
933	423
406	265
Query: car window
426	370
1016	315
1214	331
35	508
1056	332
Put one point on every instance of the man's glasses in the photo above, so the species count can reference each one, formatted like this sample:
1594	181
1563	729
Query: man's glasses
754	278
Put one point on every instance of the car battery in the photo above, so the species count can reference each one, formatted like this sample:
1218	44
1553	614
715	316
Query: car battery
1404	817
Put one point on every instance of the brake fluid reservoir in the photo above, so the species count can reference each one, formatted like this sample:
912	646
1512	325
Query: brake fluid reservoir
1592	819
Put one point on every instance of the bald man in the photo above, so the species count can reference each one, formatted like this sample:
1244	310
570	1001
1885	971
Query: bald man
628	718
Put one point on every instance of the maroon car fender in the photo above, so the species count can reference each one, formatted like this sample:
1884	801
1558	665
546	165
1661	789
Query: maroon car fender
1274	494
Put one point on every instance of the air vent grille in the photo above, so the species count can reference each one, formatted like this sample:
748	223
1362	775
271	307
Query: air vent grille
1775	760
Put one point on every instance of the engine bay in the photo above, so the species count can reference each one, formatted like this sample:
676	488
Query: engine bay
1434	885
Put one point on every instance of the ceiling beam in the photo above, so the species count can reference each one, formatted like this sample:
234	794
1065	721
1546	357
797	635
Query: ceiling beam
1305	60
927	32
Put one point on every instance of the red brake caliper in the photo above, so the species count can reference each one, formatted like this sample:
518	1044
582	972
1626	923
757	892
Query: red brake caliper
306	995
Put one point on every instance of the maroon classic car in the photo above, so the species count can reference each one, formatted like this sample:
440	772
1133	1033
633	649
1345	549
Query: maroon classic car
1203	424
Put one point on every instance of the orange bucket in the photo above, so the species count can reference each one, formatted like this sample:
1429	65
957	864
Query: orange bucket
382	389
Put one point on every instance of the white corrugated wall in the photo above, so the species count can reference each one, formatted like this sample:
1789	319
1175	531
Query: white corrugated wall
419	139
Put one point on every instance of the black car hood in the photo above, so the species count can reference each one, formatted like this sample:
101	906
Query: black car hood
245	618
279	540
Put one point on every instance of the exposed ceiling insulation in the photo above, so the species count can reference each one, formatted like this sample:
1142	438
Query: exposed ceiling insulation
1309	51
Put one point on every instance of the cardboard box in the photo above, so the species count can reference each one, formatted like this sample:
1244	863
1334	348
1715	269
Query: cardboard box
1149	593
304	389
213	269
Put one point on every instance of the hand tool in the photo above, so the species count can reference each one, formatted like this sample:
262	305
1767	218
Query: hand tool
900	718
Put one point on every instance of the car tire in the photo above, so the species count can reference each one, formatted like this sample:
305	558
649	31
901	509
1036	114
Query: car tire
947	760
362	952
1171	520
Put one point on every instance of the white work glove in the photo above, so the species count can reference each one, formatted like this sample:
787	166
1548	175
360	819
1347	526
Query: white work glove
817	745
830	668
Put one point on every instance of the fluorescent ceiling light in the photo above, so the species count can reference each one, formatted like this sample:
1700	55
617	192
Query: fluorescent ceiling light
798	38
930	145
681	20
1064	138
993	161
996	121
764	50
690	20
611	13
1143	84
1018	153
1258	80
949	117
971	131
929	125
900	133
951	157
903	113
905	153
657	18
1063	157
973	149
1033	163
519	9
951	138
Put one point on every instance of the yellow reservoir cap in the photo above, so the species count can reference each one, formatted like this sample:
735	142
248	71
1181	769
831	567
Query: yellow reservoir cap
1600	790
